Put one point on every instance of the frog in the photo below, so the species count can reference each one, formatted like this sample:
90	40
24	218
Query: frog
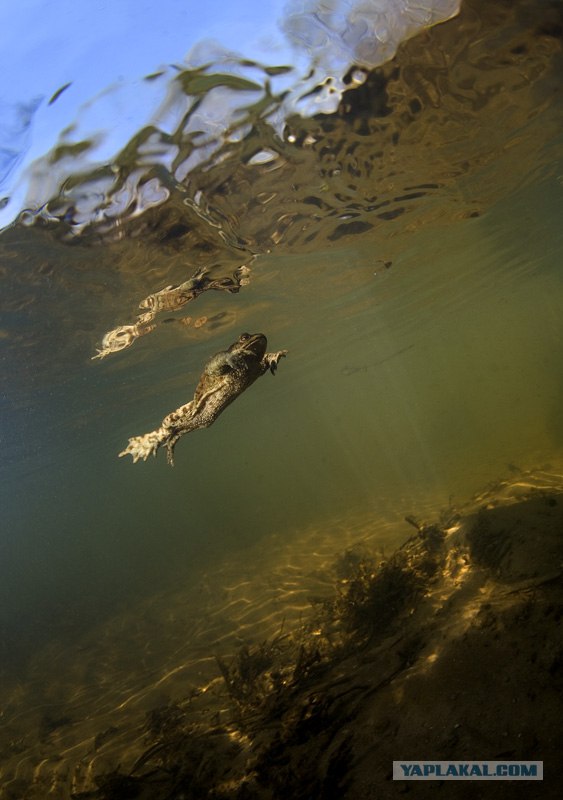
226	375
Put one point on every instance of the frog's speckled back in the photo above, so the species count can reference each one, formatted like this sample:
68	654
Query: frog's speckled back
226	375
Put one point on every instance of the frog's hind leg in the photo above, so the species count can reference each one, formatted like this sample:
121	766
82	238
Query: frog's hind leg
141	447
170	444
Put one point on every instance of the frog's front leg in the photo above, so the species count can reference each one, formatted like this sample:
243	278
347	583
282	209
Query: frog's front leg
270	360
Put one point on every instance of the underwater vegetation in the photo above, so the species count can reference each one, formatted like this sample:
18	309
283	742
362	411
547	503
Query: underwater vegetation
419	654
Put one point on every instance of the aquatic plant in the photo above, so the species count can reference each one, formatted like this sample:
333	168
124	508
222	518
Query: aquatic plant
297	708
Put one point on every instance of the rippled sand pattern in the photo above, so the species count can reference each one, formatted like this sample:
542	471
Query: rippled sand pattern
81	709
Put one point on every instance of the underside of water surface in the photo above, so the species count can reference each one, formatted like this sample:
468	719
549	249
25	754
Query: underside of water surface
360	560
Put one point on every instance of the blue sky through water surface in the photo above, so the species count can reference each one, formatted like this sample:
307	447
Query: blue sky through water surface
101	51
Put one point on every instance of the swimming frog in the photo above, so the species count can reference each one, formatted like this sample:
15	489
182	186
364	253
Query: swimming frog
226	375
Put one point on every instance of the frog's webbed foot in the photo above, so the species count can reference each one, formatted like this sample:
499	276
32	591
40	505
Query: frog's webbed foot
272	359
141	447
122	337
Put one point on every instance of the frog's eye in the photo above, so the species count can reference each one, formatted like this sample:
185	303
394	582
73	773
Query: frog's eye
244	337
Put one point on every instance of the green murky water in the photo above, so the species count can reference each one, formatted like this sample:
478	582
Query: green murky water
405	250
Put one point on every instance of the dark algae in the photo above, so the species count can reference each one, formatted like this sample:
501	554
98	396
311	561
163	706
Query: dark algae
401	661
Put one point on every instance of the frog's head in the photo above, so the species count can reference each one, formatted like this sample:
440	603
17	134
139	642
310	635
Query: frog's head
250	344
